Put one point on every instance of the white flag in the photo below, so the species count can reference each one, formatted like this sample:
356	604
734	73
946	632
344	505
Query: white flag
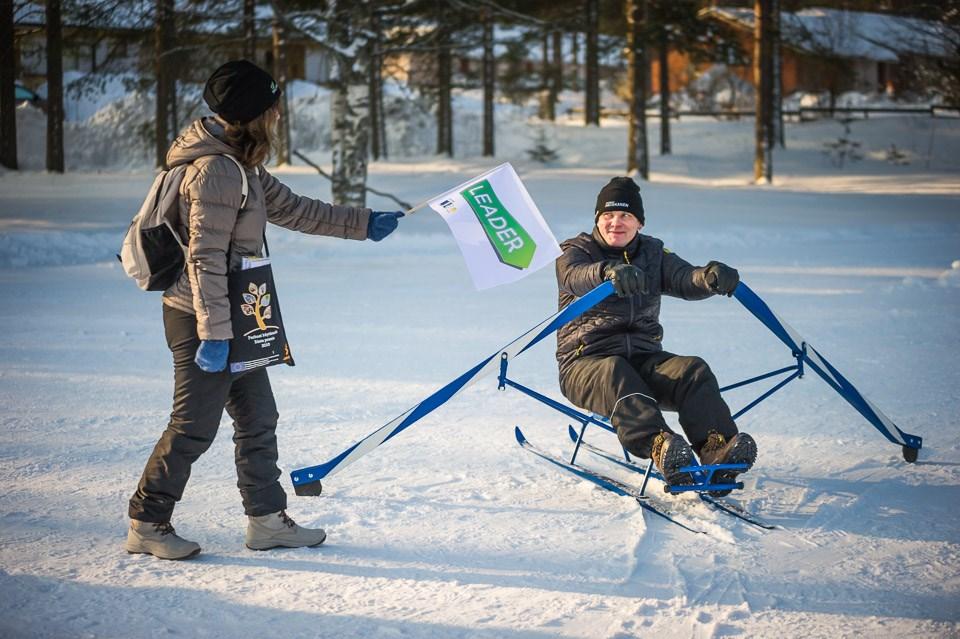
501	233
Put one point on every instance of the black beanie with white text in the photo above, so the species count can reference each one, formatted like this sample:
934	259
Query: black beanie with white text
620	194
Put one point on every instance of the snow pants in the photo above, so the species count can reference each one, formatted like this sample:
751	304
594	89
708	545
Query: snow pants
198	402
633	391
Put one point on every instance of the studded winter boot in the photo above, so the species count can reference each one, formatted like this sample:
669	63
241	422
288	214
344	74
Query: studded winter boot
739	449
159	540
276	530
670	453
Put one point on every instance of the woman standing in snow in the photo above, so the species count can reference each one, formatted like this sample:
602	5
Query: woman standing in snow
196	313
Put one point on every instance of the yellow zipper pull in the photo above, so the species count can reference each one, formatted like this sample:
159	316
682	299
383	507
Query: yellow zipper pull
626	258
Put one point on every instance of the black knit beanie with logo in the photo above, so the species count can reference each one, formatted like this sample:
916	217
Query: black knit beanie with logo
620	194
239	91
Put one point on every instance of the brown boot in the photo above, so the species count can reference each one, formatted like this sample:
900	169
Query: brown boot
670	453
739	449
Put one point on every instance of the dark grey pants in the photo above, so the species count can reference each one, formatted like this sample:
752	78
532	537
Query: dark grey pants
633	392
198	402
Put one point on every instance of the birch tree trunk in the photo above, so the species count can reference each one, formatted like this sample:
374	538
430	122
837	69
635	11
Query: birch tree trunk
489	81
763	83
349	109
54	87
592	63
350	106
638	159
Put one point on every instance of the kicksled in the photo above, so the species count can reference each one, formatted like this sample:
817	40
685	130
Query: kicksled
307	481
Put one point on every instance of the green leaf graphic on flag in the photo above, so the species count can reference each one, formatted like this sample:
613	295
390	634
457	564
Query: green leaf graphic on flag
510	241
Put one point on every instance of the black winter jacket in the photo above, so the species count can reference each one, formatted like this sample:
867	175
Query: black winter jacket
620	325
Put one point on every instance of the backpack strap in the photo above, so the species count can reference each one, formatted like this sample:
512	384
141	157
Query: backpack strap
244	187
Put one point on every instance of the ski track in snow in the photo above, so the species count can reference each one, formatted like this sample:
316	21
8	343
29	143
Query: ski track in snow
449	529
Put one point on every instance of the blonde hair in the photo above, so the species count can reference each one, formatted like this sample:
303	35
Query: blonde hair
256	139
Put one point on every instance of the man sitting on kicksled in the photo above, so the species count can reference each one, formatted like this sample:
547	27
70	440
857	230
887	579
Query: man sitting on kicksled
611	358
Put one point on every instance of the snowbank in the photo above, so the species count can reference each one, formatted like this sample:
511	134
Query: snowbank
951	277
56	248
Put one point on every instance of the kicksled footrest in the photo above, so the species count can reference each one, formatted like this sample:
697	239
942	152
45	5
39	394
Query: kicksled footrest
702	477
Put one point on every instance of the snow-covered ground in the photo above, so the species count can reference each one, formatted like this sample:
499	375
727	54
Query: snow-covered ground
450	529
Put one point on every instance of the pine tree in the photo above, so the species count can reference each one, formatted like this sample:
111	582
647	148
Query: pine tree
541	151
166	83
280	71
8	107
592	64
638	158
489	86
54	87
763	81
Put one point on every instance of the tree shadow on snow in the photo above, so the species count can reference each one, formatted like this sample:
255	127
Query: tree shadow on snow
35	606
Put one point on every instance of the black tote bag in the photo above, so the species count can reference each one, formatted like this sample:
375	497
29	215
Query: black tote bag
258	336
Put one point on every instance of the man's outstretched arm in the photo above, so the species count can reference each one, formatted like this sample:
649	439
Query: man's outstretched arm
578	273
682	279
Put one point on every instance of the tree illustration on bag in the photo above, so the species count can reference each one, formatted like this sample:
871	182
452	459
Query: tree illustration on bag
257	303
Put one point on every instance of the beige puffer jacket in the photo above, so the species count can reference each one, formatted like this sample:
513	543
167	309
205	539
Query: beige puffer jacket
215	227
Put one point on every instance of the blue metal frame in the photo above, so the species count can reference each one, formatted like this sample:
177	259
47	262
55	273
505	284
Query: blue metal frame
806	353
306	481
797	374
701	474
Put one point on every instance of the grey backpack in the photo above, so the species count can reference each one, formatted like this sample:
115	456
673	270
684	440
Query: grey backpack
152	252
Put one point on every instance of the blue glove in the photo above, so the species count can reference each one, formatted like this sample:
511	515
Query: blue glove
382	224
212	355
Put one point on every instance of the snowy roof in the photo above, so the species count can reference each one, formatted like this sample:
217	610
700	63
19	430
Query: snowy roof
850	34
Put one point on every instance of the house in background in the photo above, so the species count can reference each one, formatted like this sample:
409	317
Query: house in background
835	50
104	44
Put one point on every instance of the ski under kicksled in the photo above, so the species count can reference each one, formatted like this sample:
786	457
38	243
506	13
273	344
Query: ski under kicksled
608	483
719	503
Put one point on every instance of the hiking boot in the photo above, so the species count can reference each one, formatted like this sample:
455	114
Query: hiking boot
739	449
159	540
671	453
276	530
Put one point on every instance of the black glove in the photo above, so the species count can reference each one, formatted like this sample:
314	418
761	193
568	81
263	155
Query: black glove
721	278
627	279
